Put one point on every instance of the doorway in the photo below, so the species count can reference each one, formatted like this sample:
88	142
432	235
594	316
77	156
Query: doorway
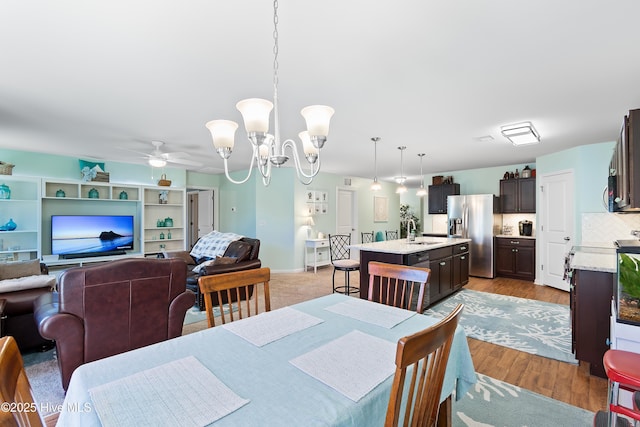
202	214
557	226
347	214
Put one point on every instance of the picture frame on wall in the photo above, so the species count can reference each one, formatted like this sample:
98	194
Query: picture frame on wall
380	209
310	196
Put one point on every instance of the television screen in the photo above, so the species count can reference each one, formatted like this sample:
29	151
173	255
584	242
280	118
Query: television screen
91	235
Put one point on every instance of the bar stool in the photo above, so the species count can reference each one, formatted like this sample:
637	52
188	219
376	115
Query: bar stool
341	260
623	371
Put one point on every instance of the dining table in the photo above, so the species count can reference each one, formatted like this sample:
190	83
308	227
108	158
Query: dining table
328	361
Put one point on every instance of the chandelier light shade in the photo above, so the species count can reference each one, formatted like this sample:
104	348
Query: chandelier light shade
401	179
267	148
521	133
375	185
421	191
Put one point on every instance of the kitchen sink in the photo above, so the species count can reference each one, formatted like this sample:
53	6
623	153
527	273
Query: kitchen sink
423	243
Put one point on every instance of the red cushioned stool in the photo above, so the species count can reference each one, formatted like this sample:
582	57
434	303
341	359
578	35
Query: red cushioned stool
623	371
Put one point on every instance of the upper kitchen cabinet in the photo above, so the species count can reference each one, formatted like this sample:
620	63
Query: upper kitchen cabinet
438	197
518	195
624	169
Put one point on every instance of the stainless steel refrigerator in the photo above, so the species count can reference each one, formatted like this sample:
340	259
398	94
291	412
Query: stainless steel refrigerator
476	217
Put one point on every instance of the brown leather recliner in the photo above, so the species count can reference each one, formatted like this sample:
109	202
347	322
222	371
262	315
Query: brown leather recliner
17	317
245	252
114	307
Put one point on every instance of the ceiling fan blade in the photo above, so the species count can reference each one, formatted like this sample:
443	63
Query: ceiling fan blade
176	154
184	162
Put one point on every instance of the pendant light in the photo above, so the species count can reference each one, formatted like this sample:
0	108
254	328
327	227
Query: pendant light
421	191
401	179
375	185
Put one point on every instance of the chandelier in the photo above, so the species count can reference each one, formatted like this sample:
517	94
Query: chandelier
268	149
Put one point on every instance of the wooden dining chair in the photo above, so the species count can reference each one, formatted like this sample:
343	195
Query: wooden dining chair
16	390
366	237
426	353
392	235
398	285
237	290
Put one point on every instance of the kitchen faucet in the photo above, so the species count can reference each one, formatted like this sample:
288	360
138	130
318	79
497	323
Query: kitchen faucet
410	238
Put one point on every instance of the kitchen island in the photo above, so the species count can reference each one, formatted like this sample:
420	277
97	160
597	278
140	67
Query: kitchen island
448	259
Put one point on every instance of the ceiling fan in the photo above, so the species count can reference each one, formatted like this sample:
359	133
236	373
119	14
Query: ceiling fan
157	158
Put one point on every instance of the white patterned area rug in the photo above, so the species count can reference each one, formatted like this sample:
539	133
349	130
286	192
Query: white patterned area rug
531	326
495	403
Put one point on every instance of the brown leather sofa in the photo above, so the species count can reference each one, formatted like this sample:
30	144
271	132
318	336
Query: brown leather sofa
244	253
16	318
113	307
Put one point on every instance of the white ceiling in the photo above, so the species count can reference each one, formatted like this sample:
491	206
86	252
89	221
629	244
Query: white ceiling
91	78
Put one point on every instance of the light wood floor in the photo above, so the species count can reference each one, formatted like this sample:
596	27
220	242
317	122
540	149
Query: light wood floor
561	381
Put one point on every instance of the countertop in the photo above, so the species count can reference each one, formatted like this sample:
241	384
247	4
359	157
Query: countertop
514	236
594	259
401	246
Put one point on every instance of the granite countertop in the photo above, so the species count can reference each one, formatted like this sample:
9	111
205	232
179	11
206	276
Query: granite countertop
514	236
594	259
401	246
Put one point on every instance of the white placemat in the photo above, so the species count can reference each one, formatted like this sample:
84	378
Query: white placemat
374	313
353	364
183	392
272	325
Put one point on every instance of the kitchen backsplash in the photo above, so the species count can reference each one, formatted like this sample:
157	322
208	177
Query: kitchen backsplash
601	229
439	223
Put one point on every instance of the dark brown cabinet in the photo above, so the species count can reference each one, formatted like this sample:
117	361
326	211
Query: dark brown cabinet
438	197
591	293
518	195
460	266
516	258
441	279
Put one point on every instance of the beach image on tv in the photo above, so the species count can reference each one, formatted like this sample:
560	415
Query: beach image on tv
90	234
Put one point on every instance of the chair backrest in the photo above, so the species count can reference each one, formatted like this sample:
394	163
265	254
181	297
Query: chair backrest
392	235
398	285
366	237
427	352
15	387
125	304
231	291
339	246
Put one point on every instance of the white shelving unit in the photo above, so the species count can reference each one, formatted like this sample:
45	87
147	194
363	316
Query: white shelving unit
23	207
156	235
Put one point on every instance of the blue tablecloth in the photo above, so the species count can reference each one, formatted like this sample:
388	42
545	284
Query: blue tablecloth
280	394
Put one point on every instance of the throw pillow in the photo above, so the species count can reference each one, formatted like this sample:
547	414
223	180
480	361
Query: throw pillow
221	260
12	270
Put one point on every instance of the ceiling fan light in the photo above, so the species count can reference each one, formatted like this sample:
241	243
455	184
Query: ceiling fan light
222	132
157	163
317	118
255	113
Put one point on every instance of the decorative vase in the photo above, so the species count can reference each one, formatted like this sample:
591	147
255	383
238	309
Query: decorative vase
123	195
93	194
10	226
168	222
61	193
5	192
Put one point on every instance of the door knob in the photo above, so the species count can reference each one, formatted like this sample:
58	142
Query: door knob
566	239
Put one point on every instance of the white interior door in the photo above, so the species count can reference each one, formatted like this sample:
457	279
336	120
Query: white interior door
205	212
345	214
557	229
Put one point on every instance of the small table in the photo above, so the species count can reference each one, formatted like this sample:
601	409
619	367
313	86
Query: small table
318	246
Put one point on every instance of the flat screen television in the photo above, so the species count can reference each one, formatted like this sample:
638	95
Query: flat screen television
74	236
